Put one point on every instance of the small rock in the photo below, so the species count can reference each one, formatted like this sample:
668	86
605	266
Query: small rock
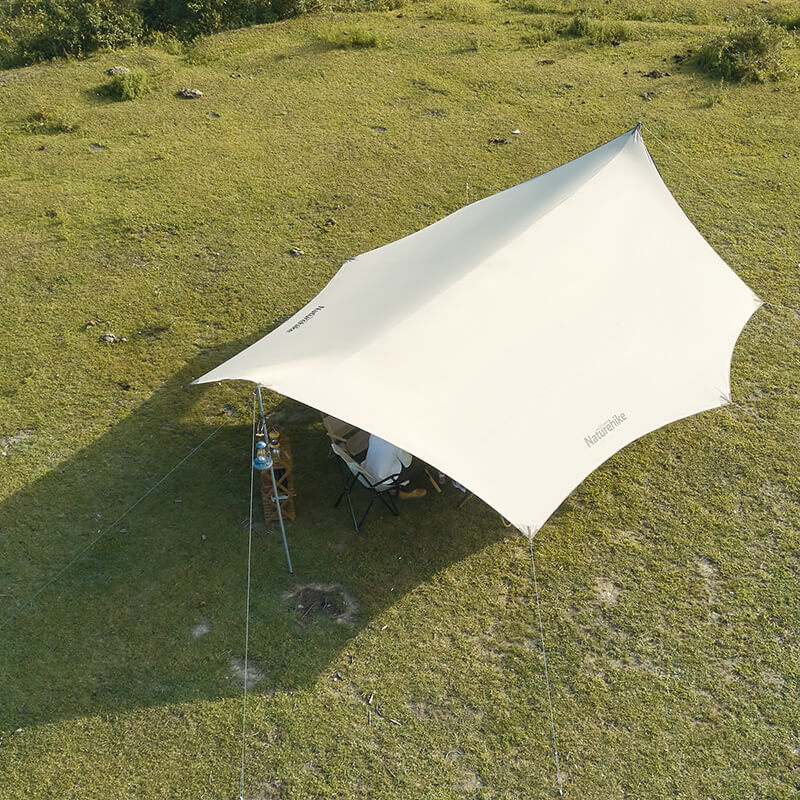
212	115
109	337
498	140
295	252
378	128
118	71
727	19
18	730
42	147
90	324
189	94
515	131
656	74
565	87
330	222
97	148
547	62
126	387
203	537
616	42
648	96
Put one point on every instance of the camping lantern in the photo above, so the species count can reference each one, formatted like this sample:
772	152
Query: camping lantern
263	459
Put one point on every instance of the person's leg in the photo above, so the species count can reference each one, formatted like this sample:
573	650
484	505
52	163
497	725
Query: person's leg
412	479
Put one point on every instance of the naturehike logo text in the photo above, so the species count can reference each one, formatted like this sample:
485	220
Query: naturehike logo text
606	427
305	319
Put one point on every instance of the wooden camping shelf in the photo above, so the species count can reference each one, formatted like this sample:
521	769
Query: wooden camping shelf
284	478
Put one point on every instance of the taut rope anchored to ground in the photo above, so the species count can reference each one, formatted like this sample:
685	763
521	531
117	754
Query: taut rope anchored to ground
102	533
247	606
546	674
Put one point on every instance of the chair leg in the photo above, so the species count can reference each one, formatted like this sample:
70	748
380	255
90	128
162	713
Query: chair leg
348	485
364	515
388	501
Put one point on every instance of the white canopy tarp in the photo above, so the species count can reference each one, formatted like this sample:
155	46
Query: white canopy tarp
519	342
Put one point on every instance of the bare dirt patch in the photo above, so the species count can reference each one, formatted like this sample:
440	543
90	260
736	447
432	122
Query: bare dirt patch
323	600
13	439
607	593
705	566
471	782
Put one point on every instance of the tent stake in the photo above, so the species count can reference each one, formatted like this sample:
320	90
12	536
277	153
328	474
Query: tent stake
274	483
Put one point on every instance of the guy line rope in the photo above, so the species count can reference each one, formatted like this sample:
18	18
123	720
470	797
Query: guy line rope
247	605
104	532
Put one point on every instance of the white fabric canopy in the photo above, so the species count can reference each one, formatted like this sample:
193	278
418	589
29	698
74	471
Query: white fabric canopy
519	342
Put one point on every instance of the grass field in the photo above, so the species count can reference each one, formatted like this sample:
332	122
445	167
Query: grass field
669	579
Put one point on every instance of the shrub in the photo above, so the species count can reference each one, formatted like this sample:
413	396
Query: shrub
129	86
351	38
36	31
600	31
165	41
751	51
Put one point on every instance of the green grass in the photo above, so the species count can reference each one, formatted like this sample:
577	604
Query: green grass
669	579
599	31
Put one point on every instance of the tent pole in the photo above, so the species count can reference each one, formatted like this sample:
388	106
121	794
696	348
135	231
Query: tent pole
274	483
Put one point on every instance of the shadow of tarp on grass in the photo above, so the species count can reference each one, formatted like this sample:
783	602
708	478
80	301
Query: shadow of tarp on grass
153	613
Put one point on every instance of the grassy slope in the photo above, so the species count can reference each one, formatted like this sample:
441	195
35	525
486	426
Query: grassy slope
669	579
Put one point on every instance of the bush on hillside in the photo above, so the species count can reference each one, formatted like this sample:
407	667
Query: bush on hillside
751	51
35	31
188	19
38	30
129	86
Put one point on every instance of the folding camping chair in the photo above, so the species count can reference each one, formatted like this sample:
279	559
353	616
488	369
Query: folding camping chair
353	440
355	473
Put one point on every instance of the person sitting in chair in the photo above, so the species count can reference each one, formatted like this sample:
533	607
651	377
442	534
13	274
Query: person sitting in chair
384	459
